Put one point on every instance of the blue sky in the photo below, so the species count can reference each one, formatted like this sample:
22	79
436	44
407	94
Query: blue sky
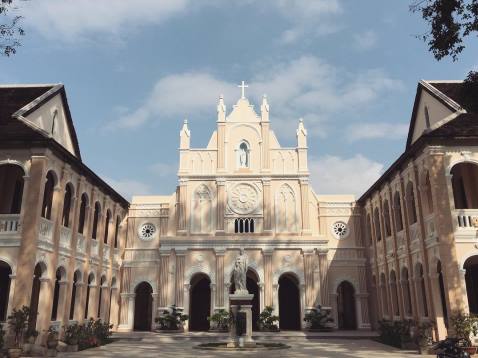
134	70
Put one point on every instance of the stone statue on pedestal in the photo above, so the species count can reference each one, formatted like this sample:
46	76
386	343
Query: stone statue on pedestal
240	273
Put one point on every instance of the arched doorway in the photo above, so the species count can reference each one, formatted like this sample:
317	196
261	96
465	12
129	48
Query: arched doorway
253	288
35	297
289	303
471	279
346	306
5	272
200	303
143	307
465	194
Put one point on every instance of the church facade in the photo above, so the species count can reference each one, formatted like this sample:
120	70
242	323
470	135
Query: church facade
245	191
74	247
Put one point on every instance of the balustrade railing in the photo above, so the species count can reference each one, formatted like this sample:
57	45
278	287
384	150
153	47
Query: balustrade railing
65	237
46	230
9	224
80	244
106	253
94	247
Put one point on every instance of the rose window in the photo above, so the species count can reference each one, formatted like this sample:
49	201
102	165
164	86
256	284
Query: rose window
340	229
147	231
243	199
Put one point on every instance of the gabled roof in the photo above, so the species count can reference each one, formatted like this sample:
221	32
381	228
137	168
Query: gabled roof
461	130
17	102
446	92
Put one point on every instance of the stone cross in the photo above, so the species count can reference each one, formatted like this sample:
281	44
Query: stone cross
243	86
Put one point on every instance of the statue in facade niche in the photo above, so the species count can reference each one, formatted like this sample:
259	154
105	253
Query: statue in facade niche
239	273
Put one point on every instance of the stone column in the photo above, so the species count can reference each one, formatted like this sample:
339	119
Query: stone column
126	312
267	202
44	314
309	278
154	306
268	290
304	194
275	298
213	298
31	209
62	296
179	277
302	305
114	308
333	305
362	311
261	296
10	294
221	200
164	280
227	286
220	303
79	309
187	288
324	288
93	301
436	297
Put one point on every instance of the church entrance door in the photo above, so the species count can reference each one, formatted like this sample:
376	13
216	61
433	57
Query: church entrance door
143	307
200	303
289	303
346	306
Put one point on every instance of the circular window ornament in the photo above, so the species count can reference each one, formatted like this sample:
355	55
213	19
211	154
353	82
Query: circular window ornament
340	230
147	231
243	199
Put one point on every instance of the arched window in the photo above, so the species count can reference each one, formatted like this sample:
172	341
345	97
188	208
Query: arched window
422	291
386	218
243	153
463	181
100	295
83	206
412	210
394	291
244	225
96	217
48	196
398	211
65	217
117	226
5	280
406	292
376	218
76	280
107	226
428	194
369	231
11	188
91	281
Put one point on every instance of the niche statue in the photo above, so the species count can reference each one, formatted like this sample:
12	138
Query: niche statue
240	273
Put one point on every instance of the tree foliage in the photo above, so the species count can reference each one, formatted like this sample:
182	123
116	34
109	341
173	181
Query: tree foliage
10	29
450	22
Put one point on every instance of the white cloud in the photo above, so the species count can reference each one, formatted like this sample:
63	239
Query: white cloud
73	20
305	87
365	40
360	131
335	175
70	20
128	187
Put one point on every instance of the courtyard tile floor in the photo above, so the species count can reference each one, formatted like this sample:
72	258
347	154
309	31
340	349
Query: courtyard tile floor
155	345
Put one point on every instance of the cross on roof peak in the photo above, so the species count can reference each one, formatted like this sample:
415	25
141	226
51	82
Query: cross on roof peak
243	86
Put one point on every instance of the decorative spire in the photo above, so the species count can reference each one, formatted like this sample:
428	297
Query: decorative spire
264	109
221	109
301	134
185	135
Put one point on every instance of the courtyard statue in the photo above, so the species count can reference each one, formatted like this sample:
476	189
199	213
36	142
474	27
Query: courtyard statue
240	273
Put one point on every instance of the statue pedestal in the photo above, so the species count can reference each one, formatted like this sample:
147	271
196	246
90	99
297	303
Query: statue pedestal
241	331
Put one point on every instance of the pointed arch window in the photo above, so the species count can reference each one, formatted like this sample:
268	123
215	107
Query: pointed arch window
201	215
398	212
286	211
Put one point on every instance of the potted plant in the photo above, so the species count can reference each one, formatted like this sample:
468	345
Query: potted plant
52	338
423	336
405	334
267	321
71	337
17	323
220	321
319	320
465	325
171	319
102	331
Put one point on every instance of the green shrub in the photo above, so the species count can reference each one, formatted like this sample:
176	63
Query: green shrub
2	338
171	319
464	325
18	322
220	320
267	321
317	318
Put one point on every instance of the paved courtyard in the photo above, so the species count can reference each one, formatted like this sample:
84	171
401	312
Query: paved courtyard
155	345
